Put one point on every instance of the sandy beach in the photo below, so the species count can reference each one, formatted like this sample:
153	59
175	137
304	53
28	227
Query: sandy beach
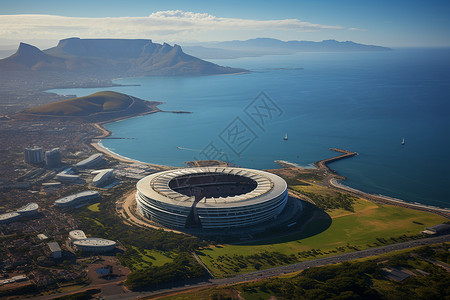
97	145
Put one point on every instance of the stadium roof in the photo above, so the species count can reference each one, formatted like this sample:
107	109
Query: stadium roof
156	186
89	160
27	208
70	198
102	174
77	234
8	216
94	242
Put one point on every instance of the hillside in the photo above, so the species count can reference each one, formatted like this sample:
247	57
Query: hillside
97	107
111	57
85	106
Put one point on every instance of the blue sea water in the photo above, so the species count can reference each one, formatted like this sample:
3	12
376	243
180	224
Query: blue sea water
365	102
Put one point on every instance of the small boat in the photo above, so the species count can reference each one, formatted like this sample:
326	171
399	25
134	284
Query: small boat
403	141
285	137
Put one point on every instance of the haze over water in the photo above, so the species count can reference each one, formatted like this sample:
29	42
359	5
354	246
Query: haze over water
363	102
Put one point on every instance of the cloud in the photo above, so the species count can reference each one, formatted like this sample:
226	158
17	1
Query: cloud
164	25
356	29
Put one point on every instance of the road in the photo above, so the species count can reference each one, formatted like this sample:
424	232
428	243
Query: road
285	269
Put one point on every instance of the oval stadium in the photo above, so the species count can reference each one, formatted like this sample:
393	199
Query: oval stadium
211	197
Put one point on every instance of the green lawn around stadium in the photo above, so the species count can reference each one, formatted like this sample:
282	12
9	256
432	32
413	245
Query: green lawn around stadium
370	225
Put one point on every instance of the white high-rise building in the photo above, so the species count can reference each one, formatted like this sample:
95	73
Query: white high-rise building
33	155
53	158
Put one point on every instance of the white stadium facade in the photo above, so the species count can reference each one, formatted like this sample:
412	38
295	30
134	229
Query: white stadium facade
211	197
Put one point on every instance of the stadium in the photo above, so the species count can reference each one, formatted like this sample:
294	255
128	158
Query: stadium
211	198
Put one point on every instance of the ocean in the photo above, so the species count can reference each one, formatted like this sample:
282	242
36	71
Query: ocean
365	102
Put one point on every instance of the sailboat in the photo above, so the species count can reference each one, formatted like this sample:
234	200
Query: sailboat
285	137
403	141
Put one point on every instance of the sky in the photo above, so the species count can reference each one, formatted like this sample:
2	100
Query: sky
412	23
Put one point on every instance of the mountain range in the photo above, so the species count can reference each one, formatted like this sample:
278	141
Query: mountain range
269	46
142	57
115	57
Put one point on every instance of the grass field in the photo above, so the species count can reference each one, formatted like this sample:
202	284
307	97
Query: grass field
148	258
94	207
314	188
370	225
158	258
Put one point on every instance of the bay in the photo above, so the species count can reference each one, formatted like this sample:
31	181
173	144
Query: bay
365	102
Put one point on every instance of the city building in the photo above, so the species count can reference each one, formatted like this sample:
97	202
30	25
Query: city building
55	249
76	235
53	158
103	177
75	199
438	229
92	161
28	210
9	217
68	176
64	177
96	245
211	197
51	187
33	155
42	237
13	279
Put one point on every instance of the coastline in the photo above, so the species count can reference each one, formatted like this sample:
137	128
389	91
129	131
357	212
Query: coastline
445	212
98	146
332	177
334	180
101	148
291	164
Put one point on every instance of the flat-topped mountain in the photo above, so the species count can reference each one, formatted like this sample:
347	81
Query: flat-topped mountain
118	57
97	107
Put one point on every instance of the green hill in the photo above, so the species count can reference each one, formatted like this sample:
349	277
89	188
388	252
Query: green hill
96	108
101	102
